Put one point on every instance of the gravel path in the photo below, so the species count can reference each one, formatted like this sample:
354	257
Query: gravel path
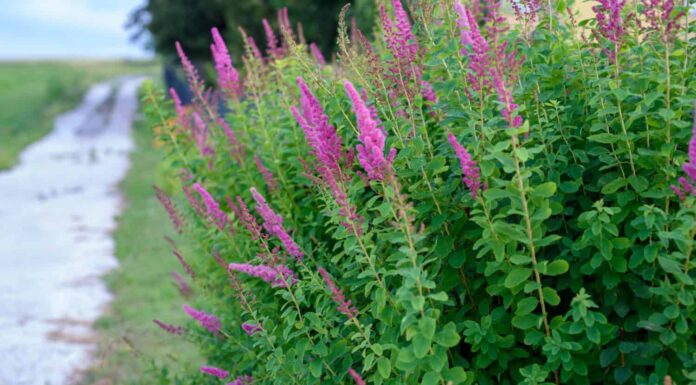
57	211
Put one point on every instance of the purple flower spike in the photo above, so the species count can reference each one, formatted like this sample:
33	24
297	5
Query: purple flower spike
344	305
243	380
216	215
472	174
372	138
228	76
273	223
251	329
171	329
686	185
206	320
277	276
215	372
356	377
271	39
318	56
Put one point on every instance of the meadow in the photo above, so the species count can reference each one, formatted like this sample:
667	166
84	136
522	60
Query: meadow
34	93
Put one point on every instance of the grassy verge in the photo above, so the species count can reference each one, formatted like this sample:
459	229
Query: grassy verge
33	93
142	284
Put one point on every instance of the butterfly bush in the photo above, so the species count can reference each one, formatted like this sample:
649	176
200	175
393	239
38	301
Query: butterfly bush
537	226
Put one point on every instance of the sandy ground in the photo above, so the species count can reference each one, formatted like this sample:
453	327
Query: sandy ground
57	212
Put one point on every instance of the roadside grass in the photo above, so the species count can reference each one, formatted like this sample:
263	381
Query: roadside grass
34	93
131	345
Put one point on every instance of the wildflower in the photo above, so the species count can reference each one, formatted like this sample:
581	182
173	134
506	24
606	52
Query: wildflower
168	205
284	24
428	92
237	151
250	329
356	377
278	276
505	97
470	170
248	220
243	380
190	70
185	265
475	47
344	305
271	183
207	321
320	134
254	48
217	216
685	185
318	56
171	329
661	17
610	24
273	223
403	70
271	39
200	135
181	114
228	76
372	138
215	372
181	284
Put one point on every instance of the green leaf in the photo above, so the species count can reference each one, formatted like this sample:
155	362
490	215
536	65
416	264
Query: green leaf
517	276
551	296
544	190
526	306
526	321
447	336
456	375
604	138
431	378
315	368
614	186
384	367
427	327
421	345
557	267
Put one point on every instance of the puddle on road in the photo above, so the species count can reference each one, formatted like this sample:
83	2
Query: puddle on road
57	210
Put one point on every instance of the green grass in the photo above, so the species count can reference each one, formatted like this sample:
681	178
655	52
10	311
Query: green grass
33	93
142	285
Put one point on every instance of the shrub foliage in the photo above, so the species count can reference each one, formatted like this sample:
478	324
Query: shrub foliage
472	197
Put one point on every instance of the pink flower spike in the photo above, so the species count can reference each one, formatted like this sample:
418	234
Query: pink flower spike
228	76
470	170
171	329
251	329
278	276
271	39
181	113
356	377
273	223
215	372
243	380
344	305
206	320
217	216
317	54
271	183
372	138
190	70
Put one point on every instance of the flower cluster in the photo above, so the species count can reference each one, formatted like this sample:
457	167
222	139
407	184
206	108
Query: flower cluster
273	223
470	169
277	276
217	216
344	305
372	139
215	372
171	329
168	205
208	321
251	329
686	185
228	76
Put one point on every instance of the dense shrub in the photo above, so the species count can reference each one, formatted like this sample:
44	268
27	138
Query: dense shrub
470	198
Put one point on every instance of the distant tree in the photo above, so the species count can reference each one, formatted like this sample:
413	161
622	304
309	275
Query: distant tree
162	22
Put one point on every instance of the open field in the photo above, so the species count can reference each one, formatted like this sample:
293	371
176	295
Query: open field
142	284
34	93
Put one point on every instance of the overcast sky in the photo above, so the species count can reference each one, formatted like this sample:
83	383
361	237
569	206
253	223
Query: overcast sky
31	29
